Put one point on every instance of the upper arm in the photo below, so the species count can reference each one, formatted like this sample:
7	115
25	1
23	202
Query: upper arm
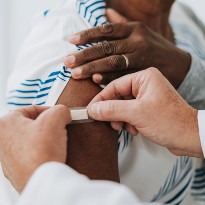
92	147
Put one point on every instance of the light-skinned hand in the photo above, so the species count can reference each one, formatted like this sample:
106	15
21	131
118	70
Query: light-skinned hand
148	103
30	137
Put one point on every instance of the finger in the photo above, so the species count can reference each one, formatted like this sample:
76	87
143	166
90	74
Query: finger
31	112
117	125
113	110
99	51
106	78
114	17
110	64
58	115
101	33
131	129
117	89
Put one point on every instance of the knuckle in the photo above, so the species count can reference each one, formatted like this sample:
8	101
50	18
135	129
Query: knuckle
106	28
61	107
123	47
153	72
140	36
142	41
141	28
112	108
107	48
115	63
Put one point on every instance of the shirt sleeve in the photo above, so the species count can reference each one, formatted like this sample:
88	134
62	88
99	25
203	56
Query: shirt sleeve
57	184
192	88
201	124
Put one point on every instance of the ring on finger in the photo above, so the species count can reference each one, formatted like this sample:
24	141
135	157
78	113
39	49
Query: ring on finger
126	61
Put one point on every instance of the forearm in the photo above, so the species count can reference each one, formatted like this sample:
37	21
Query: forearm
92	147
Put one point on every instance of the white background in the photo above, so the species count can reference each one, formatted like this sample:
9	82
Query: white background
15	18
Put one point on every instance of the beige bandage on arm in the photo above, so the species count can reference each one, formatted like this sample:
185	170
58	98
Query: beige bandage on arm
80	115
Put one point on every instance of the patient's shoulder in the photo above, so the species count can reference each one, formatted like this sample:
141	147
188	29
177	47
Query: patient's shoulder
78	93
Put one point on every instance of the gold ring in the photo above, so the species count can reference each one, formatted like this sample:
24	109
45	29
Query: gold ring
126	61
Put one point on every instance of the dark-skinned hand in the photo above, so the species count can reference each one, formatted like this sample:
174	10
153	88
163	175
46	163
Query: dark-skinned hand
142	47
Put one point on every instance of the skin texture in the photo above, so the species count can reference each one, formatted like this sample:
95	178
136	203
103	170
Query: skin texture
153	108
142	46
23	151
92	147
154	13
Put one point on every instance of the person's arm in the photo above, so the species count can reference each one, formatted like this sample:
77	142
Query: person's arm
92	147
55	183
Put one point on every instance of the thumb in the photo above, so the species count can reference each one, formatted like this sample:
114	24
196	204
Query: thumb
114	17
113	110
57	115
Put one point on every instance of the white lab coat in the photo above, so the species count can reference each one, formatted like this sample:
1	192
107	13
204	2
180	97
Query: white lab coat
57	184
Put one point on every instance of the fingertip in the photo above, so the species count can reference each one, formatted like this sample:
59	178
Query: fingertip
94	110
97	78
75	39
69	61
60	108
131	129
76	73
117	125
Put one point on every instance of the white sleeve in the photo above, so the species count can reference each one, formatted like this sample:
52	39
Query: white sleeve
201	124
57	184
192	88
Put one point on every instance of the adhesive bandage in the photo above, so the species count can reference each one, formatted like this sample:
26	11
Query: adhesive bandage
80	115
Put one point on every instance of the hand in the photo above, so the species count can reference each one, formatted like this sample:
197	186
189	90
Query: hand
143	48
153	107
154	13
30	137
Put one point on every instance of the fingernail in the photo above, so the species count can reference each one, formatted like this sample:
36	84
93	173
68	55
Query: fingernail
76	72
74	39
95	110
70	59
97	78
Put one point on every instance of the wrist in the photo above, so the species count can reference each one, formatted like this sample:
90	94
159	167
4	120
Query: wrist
182	64
191	134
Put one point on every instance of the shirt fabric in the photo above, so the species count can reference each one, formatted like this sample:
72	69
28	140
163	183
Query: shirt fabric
39	77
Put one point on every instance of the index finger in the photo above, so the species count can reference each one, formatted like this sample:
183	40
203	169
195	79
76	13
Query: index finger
30	112
105	32
117	89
